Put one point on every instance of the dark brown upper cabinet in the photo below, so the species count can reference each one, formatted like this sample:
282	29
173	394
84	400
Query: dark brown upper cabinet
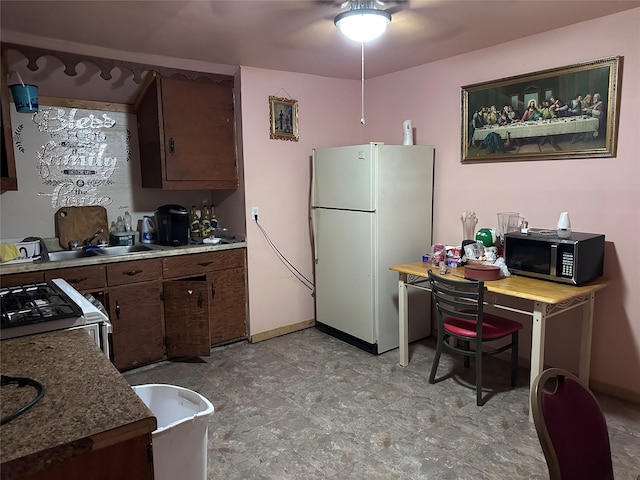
187	138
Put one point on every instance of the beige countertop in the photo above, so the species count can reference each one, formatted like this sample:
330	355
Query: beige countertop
158	251
87	405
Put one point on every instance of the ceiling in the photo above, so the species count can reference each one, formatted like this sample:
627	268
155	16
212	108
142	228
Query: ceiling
293	35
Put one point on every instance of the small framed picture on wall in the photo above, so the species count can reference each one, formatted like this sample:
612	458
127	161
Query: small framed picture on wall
283	118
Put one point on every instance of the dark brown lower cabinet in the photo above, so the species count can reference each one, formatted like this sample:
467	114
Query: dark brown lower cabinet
224	274
126	459
178	306
186	311
228	309
135	311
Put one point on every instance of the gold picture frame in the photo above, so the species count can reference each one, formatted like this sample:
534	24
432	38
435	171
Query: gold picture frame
556	115
283	118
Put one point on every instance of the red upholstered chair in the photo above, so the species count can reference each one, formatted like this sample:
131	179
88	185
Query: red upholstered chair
571	427
460	313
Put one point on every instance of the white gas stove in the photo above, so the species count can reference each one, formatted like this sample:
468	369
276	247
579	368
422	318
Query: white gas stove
48	306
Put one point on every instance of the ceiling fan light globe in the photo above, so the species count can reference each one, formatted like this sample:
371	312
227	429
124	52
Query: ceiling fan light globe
362	25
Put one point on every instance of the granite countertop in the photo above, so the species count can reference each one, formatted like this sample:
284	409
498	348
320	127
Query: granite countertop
158	251
87	405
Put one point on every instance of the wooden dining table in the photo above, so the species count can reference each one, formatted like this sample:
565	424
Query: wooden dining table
547	299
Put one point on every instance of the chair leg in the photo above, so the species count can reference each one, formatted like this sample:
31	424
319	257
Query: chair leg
514	359
436	359
478	373
467	347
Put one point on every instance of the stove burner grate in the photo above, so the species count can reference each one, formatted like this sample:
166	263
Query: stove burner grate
35	303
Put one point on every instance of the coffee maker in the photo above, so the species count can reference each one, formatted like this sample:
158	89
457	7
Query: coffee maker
172	225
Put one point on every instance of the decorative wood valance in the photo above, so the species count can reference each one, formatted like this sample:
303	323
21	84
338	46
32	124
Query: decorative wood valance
106	65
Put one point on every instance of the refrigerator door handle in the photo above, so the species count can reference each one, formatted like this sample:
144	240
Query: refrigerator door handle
314	229
312	209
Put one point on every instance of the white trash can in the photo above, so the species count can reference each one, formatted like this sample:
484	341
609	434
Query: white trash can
180	441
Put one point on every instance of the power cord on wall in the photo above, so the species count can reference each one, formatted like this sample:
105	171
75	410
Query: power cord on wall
305	281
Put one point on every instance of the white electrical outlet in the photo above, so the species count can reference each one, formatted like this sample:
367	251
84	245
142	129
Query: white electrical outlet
254	213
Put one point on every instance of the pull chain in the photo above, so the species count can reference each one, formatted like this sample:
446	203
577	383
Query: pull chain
362	86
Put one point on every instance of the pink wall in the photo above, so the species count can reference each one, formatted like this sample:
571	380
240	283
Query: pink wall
277	179
601	194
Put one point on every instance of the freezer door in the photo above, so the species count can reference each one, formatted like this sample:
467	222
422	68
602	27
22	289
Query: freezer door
343	178
345	262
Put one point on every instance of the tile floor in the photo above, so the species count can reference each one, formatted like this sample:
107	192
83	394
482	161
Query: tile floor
308	406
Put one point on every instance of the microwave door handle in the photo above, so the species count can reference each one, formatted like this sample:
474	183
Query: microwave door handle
554	259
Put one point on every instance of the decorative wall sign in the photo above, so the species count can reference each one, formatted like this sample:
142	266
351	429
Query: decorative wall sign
568	112
283	118
77	153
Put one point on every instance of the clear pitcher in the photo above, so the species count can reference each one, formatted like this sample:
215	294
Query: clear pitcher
507	222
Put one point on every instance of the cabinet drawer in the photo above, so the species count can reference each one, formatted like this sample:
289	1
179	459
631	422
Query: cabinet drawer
135	271
21	279
201	263
81	278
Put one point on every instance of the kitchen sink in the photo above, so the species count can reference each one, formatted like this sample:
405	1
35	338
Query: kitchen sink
70	255
124	249
59	256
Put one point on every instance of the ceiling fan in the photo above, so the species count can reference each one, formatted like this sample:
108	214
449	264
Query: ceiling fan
363	21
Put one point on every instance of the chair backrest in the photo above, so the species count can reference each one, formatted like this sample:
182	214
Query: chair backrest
462	299
571	427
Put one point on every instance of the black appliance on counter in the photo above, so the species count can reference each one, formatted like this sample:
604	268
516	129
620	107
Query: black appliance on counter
172	225
542	254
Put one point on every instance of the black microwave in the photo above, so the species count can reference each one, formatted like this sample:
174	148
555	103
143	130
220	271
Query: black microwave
542	254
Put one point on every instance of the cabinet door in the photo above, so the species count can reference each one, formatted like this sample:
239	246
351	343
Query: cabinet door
135	311
125	459
186	133
229	306
8	179
186	311
199	140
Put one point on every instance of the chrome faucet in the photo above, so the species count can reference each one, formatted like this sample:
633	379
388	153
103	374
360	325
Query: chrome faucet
92	238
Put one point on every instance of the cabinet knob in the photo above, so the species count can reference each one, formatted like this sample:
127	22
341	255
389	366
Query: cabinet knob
190	292
172	146
118	310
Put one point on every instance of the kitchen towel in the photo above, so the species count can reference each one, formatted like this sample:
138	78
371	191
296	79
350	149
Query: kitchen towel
8	251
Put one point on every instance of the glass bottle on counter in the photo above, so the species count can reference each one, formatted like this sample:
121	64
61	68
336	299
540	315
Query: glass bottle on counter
127	221
205	221
213	219
194	222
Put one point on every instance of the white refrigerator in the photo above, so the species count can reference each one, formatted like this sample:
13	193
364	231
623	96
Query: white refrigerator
371	207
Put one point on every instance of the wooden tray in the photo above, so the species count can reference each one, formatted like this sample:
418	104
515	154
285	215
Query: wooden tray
80	223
